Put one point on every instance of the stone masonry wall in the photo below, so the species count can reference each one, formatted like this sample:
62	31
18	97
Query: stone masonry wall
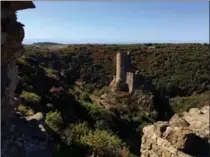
120	67
124	79
185	135
130	81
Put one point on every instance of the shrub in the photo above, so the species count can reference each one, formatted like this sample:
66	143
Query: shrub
105	89
126	153
74	132
102	125
72	91
55	91
102	143
30	98
77	89
181	104
96	111
89	88
54	120
21	61
86	97
27	111
71	137
96	92
49	71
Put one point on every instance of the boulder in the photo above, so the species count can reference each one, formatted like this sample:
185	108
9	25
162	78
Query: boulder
185	134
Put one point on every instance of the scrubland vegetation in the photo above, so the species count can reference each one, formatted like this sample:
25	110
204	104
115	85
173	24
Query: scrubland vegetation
61	82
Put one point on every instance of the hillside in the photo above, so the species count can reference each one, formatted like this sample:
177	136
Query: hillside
177	69
46	43
69	86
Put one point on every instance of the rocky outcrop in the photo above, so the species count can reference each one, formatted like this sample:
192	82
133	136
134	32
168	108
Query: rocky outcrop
20	137
185	135
12	34
26	137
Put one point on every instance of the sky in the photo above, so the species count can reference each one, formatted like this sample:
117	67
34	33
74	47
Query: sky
106	22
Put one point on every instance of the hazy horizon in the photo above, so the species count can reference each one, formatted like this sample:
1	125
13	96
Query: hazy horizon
116	22
30	42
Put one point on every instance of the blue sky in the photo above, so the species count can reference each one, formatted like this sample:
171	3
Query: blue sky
116	22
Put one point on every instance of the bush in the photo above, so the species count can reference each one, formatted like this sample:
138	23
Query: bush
72	91
49	71
98	143
96	112
105	89
74	132
181	104
96	92
21	61
102	143
27	111
54	120
126	153
71	137
86	97
102	124
30	98
89	88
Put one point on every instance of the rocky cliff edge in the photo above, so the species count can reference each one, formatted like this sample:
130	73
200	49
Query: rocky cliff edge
185	135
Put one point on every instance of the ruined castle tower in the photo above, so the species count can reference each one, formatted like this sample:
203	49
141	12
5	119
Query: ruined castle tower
124	79
120	68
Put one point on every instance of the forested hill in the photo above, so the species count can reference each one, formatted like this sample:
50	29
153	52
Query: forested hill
177	69
68	85
47	43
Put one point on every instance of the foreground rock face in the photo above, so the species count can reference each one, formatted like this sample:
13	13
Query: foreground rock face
185	135
24	137
20	137
12	34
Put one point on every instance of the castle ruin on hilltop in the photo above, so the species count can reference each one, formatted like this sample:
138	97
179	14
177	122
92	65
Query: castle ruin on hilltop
124	79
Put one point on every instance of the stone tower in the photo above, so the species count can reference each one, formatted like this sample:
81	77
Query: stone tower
124	79
120	68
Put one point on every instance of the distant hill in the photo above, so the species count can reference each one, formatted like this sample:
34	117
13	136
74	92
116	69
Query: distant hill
46	43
